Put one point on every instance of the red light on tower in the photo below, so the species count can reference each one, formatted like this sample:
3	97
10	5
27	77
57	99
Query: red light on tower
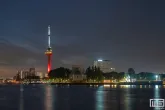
49	62
49	51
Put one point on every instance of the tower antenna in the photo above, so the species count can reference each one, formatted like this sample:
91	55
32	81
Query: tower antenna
49	36
49	51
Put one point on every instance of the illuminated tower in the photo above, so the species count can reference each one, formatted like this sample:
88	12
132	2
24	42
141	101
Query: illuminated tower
49	51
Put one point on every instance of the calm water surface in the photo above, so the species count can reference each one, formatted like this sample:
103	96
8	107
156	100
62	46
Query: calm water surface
52	97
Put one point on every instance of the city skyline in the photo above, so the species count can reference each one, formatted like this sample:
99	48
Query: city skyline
130	34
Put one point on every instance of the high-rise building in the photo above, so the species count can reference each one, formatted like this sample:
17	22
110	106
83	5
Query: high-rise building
104	65
25	74
32	71
40	74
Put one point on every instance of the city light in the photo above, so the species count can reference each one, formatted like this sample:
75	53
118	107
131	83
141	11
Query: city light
100	60
156	86
106	85
107	81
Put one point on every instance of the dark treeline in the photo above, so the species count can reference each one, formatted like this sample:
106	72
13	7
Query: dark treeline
60	73
94	73
91	72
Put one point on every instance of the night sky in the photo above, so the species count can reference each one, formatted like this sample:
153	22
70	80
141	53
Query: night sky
130	33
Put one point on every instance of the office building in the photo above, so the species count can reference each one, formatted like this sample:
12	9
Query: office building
40	74
77	73
104	65
76	69
32	71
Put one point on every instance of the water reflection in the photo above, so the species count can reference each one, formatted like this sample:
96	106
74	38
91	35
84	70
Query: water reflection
49	98
123	97
156	94
100	98
126	86
105	86
21	107
163	86
127	99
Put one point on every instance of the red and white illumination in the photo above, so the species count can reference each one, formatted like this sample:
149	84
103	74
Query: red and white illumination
49	51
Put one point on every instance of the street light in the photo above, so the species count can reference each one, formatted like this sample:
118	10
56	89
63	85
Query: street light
156	77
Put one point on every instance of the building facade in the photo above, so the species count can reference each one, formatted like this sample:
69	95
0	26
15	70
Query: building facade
32	71
26	73
40	74
77	74
104	65
77	68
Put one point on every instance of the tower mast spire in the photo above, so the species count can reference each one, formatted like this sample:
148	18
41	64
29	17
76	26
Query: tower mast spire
49	36
49	51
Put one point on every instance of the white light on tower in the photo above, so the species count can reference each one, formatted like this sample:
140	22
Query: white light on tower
49	36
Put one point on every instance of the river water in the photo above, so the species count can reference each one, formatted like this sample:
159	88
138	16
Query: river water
52	97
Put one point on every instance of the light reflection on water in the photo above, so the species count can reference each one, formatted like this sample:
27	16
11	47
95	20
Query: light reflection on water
129	99
100	98
106	97
156	93
49	97
21	100
133	86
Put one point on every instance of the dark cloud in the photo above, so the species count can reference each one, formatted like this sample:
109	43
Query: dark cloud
130	33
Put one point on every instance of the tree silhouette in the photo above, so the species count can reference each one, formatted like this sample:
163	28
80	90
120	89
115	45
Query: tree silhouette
131	73
60	73
94	73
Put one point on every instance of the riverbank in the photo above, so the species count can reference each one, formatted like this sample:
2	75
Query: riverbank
86	83
120	83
